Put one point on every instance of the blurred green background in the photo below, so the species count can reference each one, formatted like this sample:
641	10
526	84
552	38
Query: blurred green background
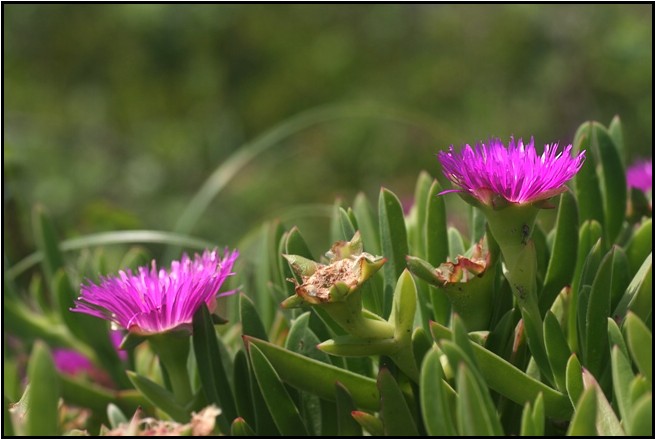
115	115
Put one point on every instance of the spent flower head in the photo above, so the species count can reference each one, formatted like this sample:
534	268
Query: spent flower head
155	300
640	175
496	175
464	269
349	267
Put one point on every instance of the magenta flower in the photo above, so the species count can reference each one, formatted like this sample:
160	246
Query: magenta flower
640	175
155	301
74	363
516	174
71	362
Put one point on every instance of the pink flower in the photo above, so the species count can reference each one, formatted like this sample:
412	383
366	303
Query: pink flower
640	175
73	363
70	361
155	301
516	173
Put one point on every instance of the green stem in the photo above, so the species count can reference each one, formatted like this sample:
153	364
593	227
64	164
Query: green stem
348	314
511	228
523	284
405	360
173	350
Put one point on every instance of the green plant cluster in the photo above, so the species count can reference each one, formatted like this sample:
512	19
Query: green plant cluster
415	368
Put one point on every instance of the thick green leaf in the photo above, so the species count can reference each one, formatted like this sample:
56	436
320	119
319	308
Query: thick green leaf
587	183
606	420
394	242
397	418
461	339
336	232
621	277
39	295
286	274
292	243
251	323
82	326
11	381
370	423
302	340
242	383
533	418
295	244
348	227
346	425
457	357
638	297
477	223
538	415
417	227
640	246
589	235
562	261
640	386
367	224
557	350
640	344
474	418
45	390
81	393
588	274
642	417
214	381
283	410
511	382
435	406
592	262
615	337
115	416
436	244
583	422
596	323
574	379
7	422
615	132
30	325
317	377
402	319
527	428
47	242
159	397
264	422
436	236
622	377
456	243
270	287
421	344
240	428
613	181
273	256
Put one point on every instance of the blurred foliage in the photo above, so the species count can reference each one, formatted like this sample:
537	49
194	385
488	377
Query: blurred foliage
115	115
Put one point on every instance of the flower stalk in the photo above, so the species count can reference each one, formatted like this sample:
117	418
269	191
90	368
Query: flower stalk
172	348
